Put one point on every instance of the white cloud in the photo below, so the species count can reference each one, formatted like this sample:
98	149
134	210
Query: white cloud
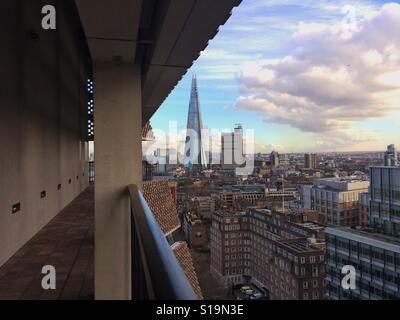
396	118
345	139
332	77
263	27
268	148
372	58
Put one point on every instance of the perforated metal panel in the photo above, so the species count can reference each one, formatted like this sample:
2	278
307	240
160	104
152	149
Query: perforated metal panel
90	105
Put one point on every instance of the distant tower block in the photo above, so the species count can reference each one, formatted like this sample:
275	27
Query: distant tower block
310	160
391	156
195	157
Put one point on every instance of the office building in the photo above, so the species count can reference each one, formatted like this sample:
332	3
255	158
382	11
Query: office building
385	199
363	209
310	160
232	148
336	198
284	159
274	159
241	195
390	157
374	251
195	156
375	257
205	206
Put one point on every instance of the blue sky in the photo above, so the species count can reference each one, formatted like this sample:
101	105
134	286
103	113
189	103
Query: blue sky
271	68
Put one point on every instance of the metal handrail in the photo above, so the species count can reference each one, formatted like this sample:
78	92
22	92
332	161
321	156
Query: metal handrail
156	273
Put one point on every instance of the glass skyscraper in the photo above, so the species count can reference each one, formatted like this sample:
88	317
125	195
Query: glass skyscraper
195	157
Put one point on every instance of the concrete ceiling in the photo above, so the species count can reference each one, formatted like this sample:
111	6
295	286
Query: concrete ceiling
111	27
165	36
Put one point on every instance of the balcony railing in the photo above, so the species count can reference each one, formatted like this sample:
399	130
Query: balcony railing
156	273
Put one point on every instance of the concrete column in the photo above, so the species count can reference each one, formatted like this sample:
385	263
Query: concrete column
118	154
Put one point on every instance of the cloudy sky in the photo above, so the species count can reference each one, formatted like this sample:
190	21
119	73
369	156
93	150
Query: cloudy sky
316	76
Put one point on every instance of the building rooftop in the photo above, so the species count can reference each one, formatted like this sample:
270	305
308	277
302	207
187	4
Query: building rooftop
159	198
193	218
368	236
182	253
341	184
230	213
300	245
311	225
243	188
264	211
386	167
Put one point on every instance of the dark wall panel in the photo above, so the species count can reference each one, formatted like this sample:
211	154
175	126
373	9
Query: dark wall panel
43	105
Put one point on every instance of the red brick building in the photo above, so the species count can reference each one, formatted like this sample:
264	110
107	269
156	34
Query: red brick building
280	254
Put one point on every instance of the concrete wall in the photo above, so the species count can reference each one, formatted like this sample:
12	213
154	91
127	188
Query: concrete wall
42	118
118	154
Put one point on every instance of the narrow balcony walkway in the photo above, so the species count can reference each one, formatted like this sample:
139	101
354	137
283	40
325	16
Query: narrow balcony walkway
67	243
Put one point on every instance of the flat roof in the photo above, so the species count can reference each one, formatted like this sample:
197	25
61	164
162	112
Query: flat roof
385	167
299	245
310	225
230	213
330	188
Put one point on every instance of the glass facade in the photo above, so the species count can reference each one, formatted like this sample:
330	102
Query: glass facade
385	199
377	268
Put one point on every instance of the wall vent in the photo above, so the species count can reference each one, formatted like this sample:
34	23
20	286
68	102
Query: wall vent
16	207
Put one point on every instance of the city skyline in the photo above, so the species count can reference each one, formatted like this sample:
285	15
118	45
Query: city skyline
274	174
237	82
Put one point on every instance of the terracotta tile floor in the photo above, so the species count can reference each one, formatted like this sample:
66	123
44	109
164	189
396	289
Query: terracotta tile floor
67	243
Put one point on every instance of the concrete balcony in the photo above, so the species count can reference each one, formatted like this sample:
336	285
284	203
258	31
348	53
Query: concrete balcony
67	243
134	53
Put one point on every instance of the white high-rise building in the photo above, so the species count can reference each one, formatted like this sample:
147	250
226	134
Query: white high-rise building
232	148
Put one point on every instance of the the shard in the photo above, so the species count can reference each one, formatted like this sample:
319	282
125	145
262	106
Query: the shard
195	157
